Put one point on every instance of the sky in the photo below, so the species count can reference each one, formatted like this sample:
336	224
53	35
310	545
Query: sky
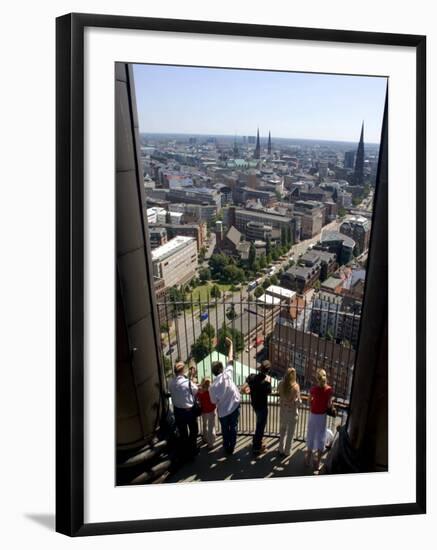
198	100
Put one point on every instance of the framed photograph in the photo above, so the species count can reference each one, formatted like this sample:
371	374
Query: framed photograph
240	274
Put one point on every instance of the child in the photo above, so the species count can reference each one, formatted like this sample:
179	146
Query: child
208	412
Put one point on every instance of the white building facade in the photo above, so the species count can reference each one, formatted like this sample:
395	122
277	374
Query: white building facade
175	261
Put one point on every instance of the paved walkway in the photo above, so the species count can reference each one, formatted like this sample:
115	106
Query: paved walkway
214	465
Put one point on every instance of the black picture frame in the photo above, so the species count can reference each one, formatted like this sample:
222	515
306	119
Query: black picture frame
70	273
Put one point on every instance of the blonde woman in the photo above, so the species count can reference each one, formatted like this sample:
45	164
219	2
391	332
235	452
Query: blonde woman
320	399
289	399
208	412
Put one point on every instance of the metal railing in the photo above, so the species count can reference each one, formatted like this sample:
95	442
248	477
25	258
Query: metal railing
193	330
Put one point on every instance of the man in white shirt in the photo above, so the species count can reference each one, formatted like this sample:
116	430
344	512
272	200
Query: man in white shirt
183	394
225	394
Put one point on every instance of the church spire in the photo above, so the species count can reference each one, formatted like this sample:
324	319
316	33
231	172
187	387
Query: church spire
359	160
269	145
235	147
257	153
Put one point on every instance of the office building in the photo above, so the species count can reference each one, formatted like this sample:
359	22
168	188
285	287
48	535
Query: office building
339	244
358	229
311	214
277	222
176	261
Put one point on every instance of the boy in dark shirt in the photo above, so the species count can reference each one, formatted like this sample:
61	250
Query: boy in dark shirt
259	387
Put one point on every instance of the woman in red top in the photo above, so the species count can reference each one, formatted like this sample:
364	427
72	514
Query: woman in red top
208	412
320	399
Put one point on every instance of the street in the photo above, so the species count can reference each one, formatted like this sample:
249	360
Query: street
188	325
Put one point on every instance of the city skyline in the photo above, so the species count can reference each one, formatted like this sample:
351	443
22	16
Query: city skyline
307	106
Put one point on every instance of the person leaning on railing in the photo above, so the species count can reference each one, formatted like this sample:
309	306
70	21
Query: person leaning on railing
289	401
259	386
225	394
320	399
183	395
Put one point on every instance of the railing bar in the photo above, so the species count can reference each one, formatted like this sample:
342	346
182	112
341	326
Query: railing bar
176	322
186	332
295	332
333	344
303	355
194	328
243	398
167	322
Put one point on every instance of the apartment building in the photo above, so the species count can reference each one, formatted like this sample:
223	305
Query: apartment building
306	352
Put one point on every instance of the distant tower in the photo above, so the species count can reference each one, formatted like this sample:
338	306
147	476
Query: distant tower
359	160
235	148
257	153
269	145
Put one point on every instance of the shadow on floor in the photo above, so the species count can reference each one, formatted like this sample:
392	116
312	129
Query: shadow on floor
46	520
214	465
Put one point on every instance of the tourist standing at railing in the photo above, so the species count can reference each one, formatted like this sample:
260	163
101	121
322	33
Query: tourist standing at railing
259	386
225	394
320	399
183	394
289	401
208	412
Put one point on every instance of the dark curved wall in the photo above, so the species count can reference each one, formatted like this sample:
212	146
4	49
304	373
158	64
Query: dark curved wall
139	380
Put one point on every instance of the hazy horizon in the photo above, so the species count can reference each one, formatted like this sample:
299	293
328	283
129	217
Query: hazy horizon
228	102
263	138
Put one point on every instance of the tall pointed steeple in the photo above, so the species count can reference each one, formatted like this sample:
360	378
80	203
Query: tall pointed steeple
359	160
269	145
257	153
235	147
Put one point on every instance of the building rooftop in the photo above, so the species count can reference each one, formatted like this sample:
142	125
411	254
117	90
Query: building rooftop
233	235
171	247
332	283
276	290
328	236
263	214
268	300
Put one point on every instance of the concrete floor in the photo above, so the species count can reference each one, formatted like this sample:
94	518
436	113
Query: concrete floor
214	465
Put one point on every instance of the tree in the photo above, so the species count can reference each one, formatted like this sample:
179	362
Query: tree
164	327
341	212
283	236
177	298
217	263
317	285
168	370
233	274
262	262
266	283
252	257
202	347
236	337
289	237
231	313
274	280
215	292
205	274
209	330
258	292
268	246
170	233
275	253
